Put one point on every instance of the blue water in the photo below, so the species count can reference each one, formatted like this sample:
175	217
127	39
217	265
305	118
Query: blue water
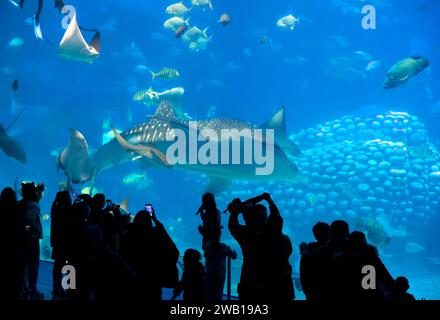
236	76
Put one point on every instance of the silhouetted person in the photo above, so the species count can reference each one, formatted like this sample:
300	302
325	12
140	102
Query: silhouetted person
74	244
277	248
9	239
401	287
360	254
215	254
108	275
261	240
97	208
60	211
192	283
151	254
31	233
211	218
310	264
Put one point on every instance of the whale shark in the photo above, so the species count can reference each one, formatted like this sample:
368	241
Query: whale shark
147	143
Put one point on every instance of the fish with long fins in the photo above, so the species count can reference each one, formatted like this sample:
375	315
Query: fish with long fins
74	47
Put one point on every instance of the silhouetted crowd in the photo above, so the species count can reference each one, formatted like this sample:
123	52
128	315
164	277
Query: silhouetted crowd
102	253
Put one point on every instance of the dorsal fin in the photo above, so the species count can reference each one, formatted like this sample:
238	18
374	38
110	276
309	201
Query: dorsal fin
278	123
165	111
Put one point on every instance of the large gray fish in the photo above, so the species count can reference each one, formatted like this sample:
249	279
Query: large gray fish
148	144
75	160
11	147
404	70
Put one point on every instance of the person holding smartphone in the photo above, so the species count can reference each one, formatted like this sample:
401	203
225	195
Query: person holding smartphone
151	253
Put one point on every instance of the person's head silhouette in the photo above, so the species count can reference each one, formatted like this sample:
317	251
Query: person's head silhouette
191	257
208	201
402	284
321	232
256	217
8	195
339	230
29	192
143	220
98	201
63	199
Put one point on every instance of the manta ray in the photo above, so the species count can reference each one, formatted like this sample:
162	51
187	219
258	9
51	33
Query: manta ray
147	143
74	47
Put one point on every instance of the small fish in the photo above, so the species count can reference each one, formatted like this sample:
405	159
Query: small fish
165	73
202	4
45	217
15	85
175	23
180	31
422	152
288	22
16	42
193	34
224	19
373	65
362	55
178	9
141	68
200	44
414	248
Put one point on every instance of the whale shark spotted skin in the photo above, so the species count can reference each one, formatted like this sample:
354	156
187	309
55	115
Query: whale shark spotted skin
147	143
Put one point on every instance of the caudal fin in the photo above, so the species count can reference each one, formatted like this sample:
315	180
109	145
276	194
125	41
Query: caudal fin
153	76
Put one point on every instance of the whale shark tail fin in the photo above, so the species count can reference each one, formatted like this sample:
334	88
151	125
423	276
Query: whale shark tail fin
278	124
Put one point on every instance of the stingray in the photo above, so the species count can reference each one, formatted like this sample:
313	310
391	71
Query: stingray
74	47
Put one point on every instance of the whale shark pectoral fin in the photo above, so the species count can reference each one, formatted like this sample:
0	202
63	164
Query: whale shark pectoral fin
218	184
147	151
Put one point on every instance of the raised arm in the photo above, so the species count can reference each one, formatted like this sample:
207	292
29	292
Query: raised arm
234	225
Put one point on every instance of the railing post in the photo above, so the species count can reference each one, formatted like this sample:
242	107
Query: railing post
229	279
